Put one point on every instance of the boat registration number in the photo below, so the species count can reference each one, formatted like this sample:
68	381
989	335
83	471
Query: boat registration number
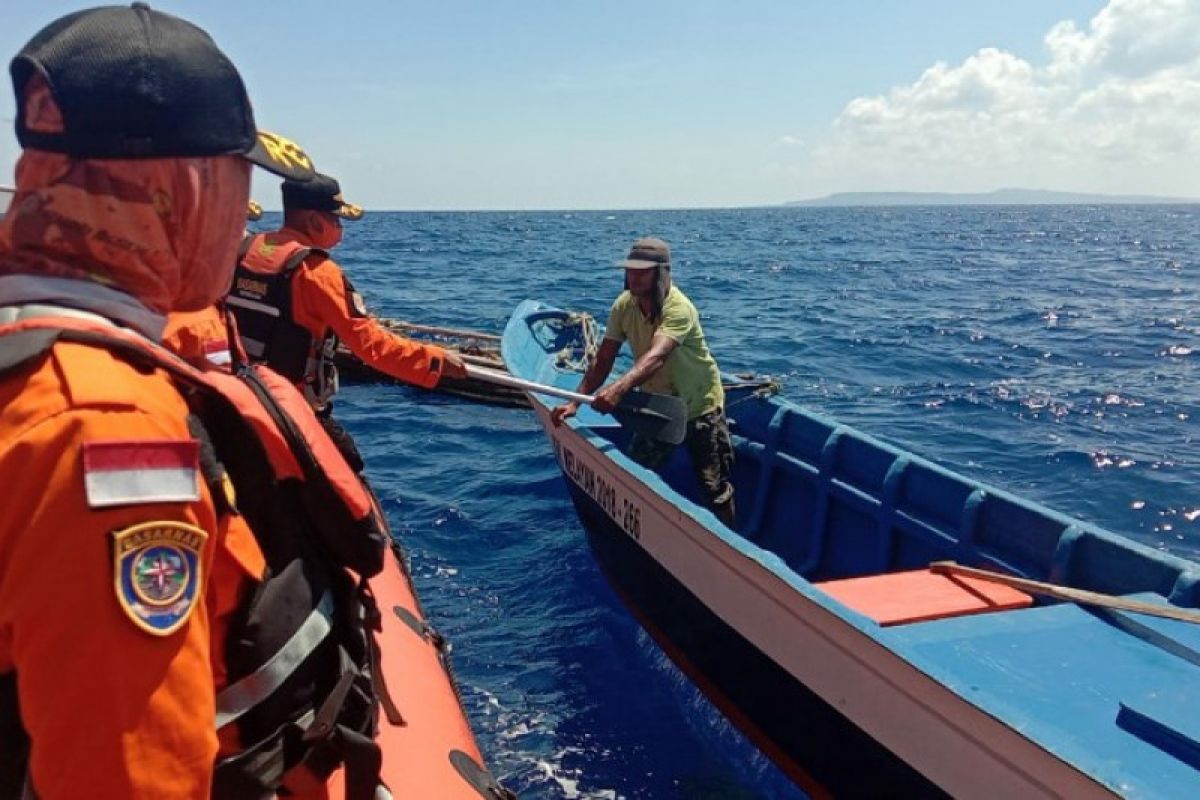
621	509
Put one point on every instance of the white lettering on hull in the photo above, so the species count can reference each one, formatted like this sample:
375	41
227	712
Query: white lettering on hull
623	510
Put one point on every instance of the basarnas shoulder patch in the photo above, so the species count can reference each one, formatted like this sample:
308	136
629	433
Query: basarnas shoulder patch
354	300
156	573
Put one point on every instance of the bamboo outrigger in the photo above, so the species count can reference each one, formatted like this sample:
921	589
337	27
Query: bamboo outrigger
476	348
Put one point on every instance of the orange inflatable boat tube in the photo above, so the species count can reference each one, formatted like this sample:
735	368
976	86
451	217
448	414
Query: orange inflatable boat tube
431	753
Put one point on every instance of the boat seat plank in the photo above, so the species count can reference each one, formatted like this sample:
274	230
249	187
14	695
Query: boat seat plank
900	598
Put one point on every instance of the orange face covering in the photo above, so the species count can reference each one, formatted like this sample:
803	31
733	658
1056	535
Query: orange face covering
318	228
164	230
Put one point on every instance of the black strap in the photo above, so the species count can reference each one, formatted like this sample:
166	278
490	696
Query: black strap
359	755
303	454
374	623
237	351
364	553
210	467
256	770
297	259
23	346
14	742
244	246
18	348
478	778
364	761
299	256
324	722
344	441
420	627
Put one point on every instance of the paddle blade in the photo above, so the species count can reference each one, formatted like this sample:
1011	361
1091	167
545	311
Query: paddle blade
661	417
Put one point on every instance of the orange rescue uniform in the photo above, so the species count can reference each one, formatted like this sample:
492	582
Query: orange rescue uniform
113	731
112	710
198	337
323	301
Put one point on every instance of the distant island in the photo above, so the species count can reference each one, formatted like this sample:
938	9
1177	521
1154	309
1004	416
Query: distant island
1000	197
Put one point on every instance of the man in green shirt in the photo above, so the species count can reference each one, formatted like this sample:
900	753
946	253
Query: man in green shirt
663	330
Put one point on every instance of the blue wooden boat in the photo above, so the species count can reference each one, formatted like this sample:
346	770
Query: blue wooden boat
819	630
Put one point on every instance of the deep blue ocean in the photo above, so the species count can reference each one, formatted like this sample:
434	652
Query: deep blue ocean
1051	351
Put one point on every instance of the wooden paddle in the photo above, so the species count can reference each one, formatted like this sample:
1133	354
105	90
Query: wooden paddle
662	417
1055	590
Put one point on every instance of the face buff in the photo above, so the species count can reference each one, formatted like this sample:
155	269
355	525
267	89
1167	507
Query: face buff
163	230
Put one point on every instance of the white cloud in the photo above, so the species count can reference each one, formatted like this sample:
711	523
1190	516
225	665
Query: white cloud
789	141
1115	107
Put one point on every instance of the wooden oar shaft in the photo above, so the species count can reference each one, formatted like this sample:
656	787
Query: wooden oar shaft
513	382
1068	593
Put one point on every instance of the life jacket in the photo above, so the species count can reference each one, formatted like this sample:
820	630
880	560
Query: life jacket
261	301
301	660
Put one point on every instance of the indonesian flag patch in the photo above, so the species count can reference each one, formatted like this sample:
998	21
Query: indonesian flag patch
131	472
156	573
217	353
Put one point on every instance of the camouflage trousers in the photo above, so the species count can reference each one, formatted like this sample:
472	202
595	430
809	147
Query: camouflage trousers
711	450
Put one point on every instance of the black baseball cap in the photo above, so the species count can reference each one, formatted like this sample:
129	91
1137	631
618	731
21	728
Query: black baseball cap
319	193
132	82
647	252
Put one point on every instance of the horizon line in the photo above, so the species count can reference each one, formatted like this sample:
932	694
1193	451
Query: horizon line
788	204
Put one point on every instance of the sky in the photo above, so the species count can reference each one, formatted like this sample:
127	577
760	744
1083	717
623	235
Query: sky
562	104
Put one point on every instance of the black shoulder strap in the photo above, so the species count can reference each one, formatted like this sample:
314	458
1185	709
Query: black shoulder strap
18	349
244	247
364	552
14	741
21	347
298	258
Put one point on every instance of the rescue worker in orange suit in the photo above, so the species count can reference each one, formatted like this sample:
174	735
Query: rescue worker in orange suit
200	337
293	304
130	194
